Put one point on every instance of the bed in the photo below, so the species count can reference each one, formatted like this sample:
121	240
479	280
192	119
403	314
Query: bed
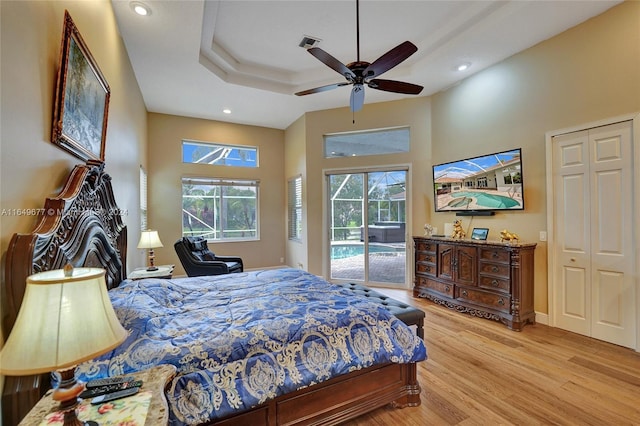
265	347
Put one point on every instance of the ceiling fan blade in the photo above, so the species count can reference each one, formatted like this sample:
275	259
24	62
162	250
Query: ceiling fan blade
321	89
395	86
332	62
357	97
390	59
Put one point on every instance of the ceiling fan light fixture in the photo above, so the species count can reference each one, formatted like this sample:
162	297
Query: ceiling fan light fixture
361	73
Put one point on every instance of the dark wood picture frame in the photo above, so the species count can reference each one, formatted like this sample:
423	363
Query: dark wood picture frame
81	100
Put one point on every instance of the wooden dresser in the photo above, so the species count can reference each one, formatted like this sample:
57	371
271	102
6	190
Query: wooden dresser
488	279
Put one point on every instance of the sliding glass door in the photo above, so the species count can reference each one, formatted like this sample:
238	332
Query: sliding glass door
375	253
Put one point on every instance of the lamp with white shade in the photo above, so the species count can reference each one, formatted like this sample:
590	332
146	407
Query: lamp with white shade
66	318
150	239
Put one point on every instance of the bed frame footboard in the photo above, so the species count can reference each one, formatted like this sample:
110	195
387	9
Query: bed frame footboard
337	400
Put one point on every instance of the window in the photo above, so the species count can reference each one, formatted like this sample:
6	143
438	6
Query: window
219	209
295	208
143	199
371	142
219	154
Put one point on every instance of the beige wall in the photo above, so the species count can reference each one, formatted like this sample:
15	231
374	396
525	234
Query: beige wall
295	164
166	169
588	73
414	113
32	168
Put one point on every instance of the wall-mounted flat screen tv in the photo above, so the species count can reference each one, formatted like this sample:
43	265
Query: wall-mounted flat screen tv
480	184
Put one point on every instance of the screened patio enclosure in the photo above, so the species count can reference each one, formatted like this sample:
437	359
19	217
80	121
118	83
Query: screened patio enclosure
375	253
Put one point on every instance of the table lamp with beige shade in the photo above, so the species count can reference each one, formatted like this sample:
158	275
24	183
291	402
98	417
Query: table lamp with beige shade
66	318
150	239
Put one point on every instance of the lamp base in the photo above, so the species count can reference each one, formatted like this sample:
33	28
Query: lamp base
70	419
152	268
67	393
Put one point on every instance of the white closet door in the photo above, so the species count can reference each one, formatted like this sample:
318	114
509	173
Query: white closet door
593	209
612	284
572	221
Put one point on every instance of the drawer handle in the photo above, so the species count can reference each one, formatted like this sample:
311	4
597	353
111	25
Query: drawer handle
428	268
464	293
494	283
495	269
495	255
501	301
447	288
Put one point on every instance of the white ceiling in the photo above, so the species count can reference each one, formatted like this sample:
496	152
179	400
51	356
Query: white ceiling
194	58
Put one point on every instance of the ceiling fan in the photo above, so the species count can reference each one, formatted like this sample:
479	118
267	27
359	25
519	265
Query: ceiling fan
360	73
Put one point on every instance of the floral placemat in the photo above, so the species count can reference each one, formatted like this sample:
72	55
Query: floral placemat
130	411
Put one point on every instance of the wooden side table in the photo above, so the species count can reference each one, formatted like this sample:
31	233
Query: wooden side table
164	271
154	379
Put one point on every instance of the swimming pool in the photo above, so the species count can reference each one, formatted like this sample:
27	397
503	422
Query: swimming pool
485	200
343	251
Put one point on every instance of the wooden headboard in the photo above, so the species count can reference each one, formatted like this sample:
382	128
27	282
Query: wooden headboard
82	226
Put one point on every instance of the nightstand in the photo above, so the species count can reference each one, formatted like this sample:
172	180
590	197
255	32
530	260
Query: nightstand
154	380
164	271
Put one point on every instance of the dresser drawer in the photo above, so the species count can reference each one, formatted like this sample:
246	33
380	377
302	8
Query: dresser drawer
442	288
425	246
426	268
497	269
493	283
423	256
495	301
494	254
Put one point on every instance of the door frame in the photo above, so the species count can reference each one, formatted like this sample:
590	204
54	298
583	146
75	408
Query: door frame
326	232
551	238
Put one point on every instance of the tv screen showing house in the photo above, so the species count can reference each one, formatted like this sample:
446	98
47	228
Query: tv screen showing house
487	183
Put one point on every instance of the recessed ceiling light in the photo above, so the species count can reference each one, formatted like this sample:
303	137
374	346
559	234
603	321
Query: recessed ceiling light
140	8
463	67
226	111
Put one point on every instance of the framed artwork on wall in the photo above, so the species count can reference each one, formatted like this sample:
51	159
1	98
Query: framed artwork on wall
479	233
81	99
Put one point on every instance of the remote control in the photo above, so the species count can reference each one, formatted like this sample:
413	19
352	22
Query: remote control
115	395
91	392
108	381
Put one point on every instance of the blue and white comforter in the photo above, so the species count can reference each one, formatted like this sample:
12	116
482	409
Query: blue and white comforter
239	340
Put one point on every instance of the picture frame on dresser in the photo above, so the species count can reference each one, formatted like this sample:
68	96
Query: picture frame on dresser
81	99
480	234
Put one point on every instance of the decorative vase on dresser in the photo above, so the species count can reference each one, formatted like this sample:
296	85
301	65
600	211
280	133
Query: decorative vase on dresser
488	279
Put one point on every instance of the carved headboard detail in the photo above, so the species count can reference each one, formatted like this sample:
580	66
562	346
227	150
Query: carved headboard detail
82	226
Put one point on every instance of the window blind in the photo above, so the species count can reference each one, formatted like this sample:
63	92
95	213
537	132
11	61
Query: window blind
143	199
295	208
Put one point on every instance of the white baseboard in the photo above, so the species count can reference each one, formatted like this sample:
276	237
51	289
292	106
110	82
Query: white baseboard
542	318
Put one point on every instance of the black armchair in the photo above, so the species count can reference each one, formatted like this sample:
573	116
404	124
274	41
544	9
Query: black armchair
198	260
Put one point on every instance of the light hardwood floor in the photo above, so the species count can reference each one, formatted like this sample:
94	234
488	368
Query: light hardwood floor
481	373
